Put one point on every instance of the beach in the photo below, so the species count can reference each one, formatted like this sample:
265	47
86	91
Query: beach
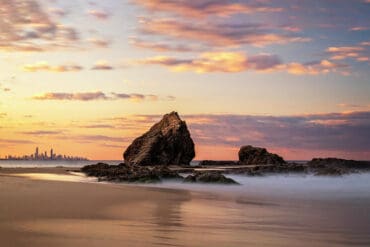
40	212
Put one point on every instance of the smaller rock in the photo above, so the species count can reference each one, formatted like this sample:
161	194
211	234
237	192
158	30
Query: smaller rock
209	177
249	155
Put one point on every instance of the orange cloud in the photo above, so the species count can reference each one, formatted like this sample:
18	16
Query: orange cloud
232	62
92	96
99	14
200	9
217	34
25	26
345	52
44	66
102	65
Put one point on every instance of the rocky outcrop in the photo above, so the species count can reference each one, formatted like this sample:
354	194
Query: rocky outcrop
129	173
121	173
209	177
249	155
335	166
168	142
217	163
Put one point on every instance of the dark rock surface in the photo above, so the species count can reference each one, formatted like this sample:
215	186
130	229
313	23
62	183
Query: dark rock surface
129	173
168	142
260	170
209	177
218	163
337	167
249	155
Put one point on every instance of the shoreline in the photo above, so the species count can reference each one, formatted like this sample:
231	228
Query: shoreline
58	213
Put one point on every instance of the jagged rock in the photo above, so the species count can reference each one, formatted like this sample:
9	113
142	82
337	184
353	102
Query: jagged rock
168	142
209	177
217	163
249	155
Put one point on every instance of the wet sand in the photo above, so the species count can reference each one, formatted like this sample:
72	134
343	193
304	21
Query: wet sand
56	213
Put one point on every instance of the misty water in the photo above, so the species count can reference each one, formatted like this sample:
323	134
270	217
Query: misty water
283	210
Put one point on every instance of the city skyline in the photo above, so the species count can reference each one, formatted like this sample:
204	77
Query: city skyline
44	156
91	76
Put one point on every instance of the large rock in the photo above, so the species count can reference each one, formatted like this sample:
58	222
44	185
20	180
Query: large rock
249	155
168	142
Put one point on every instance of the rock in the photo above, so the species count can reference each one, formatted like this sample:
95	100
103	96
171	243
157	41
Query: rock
336	167
165	173
168	142
249	155
218	163
209	177
130	173
355	164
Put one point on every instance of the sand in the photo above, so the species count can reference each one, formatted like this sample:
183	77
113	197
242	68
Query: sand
55	213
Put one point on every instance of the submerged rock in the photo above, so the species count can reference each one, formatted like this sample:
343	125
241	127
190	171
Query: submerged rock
249	155
168	142
209	177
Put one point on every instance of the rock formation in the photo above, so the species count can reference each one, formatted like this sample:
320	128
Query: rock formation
209	177
249	155
129	173
168	142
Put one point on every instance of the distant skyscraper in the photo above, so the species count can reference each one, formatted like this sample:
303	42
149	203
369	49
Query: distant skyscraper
51	154
37	152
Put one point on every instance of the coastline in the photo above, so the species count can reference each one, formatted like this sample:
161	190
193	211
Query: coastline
56	213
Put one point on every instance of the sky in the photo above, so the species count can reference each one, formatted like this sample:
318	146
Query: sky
87	77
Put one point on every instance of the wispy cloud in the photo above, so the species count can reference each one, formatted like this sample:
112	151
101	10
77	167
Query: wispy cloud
102	65
92	96
218	34
16	141
25	26
44	66
203	8
99	14
231	62
162	46
42	132
100	42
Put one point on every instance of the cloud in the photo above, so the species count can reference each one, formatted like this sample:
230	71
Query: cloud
3	114
359	28
218	34
44	66
162	46
359	53
89	96
232	62
97	126
203	8
98	138
102	65
25	26
99	14
100	42
92	96
41	132
16	141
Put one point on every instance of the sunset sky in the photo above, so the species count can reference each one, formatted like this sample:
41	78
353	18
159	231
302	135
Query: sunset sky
87	77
